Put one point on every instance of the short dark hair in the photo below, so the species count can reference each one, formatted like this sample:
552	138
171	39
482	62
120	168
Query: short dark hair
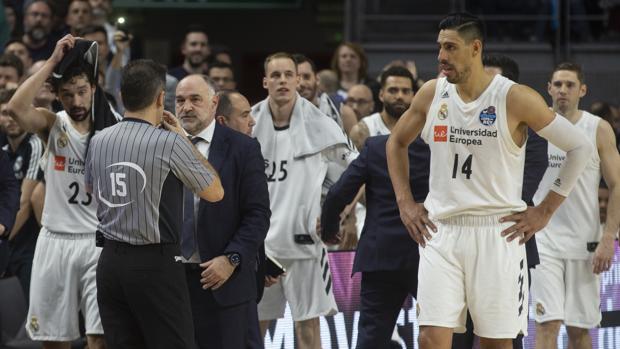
220	65
467	25
78	70
11	60
50	4
277	55
141	82
299	59
509	67
397	71
91	29
6	95
570	66
602	109
224	104
194	28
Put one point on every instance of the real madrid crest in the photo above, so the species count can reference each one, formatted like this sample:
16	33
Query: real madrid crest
34	323
443	112
62	141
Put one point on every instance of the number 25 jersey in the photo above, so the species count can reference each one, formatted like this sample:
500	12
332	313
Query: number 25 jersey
476	167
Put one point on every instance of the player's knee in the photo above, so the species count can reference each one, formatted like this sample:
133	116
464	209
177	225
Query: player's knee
308	331
576	334
548	328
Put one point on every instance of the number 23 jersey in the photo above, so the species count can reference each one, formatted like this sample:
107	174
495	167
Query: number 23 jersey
68	207
476	168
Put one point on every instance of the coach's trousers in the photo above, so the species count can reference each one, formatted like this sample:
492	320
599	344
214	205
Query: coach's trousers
143	297
382	296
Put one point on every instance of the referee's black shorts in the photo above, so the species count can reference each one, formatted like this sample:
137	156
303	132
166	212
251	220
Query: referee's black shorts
143	297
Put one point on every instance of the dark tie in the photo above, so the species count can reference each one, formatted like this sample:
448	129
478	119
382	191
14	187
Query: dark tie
188	236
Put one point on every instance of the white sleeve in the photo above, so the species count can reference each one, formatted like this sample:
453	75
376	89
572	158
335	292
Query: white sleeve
566	136
338	158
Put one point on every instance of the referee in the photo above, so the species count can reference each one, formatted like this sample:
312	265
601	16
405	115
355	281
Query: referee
136	170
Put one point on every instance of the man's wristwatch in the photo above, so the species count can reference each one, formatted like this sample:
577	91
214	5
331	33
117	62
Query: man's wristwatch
234	259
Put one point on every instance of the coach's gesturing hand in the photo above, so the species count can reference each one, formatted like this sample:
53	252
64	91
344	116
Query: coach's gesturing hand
216	273
415	218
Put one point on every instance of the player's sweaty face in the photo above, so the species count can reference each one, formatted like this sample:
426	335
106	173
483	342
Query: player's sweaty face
76	97
281	79
454	56
565	90
194	104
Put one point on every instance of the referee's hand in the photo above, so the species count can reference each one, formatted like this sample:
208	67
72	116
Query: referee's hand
171	123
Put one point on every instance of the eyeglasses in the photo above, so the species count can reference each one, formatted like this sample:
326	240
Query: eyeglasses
39	14
353	101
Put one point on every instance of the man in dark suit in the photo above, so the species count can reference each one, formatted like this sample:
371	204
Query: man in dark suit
386	255
220	240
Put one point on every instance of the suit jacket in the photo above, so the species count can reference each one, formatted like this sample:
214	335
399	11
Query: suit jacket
10	192
385	243
239	222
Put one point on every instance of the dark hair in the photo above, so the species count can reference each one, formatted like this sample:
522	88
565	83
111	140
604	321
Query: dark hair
92	29
277	55
224	104
570	66
299	59
6	95
49	4
80	70
11	60
13	41
194	28
359	51
509	67
397	71
467	25
220	65
602	109
142	81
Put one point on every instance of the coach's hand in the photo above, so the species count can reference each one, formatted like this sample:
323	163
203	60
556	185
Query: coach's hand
527	223
216	273
415	218
62	47
603	254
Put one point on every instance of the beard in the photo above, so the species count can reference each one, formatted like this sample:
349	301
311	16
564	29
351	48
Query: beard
196	60
37	33
78	114
460	76
307	93
396	109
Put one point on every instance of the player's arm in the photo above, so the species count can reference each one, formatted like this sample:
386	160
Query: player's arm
407	128
31	119
348	118
610	163
527	108
359	133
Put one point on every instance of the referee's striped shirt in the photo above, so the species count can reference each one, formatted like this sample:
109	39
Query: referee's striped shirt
137	173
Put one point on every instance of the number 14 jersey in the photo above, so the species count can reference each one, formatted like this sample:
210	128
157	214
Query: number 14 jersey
68	207
476	168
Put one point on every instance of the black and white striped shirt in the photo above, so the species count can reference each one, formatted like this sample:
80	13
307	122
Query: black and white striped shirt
137	173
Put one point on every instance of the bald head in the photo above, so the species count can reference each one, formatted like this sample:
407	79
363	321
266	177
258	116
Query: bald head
195	103
233	110
359	98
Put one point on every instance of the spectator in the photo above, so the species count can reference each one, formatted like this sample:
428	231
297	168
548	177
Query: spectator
19	49
38	15
222	75
195	50
79	15
11	71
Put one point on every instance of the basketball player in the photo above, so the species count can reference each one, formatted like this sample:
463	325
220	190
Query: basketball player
475	124
397	89
573	248
65	259
304	152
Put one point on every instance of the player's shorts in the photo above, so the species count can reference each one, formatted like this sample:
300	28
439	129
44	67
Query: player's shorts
567	290
63	284
307	287
468	265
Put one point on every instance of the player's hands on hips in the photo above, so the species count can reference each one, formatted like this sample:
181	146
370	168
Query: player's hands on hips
527	223
171	123
62	47
216	273
415	218
603	254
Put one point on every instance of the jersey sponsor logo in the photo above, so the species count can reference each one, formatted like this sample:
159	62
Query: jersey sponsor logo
440	133
555	161
59	163
443	112
488	116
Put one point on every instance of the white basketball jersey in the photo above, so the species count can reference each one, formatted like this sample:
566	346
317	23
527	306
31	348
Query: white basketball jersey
476	168
376	126
68	207
576	222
